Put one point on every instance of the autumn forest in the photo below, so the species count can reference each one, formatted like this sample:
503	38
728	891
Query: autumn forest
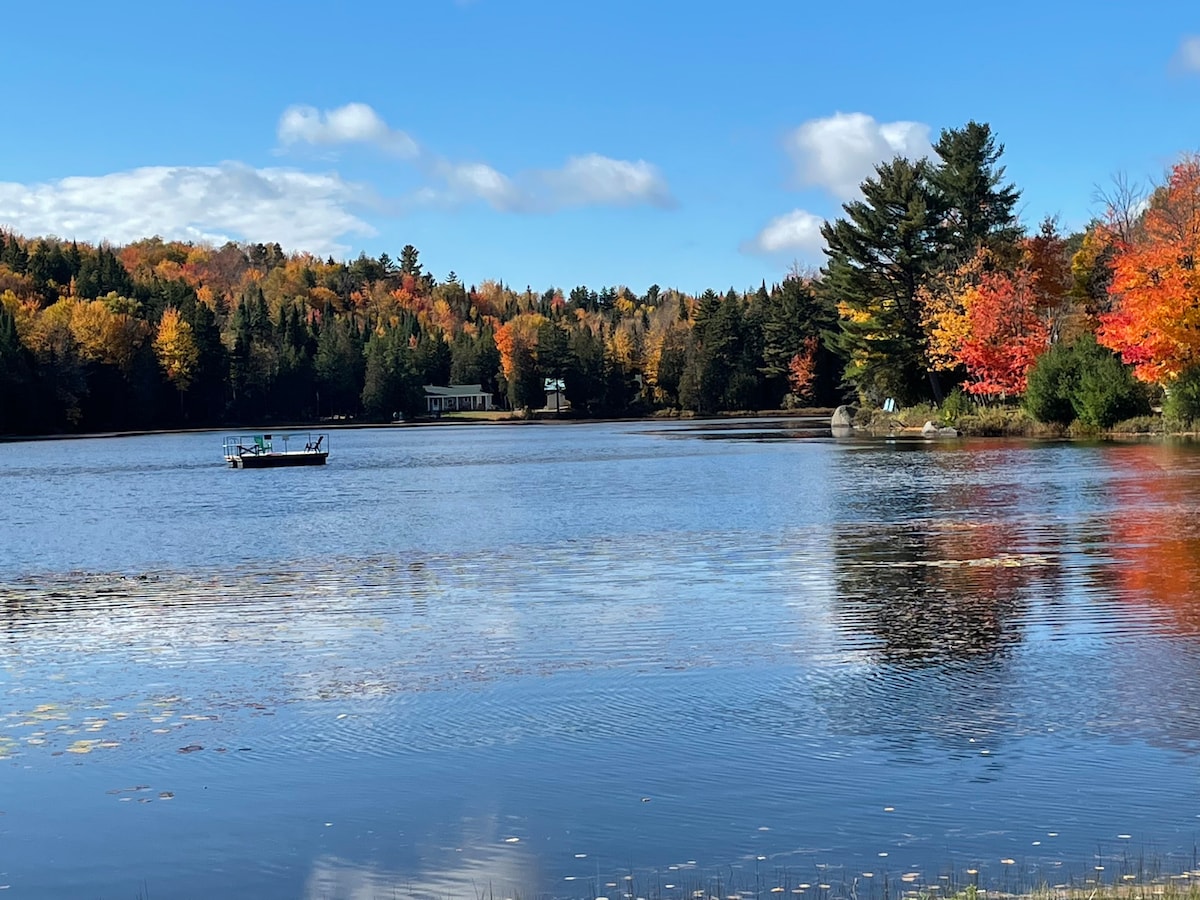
932	291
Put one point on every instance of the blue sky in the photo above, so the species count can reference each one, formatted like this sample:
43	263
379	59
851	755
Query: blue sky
687	144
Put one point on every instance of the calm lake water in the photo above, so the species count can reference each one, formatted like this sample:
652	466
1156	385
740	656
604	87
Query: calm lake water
595	660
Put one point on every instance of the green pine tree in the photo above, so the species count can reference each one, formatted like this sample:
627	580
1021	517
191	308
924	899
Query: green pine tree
880	253
980	207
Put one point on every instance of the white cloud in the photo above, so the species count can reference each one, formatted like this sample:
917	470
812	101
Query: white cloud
838	152
465	182
595	180
354	123
591	180
300	210
1188	55
796	232
305	210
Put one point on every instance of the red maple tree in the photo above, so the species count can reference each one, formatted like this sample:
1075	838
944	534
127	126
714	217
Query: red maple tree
1005	333
1155	321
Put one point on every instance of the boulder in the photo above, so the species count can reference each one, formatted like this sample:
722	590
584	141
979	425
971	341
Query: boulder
931	430
843	417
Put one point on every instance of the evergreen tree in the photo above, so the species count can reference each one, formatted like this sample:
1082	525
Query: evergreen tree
793	313
721	368
339	367
74	259
410	261
259	315
365	270
526	387
293	393
581	298
111	276
980	208
241	374
49	269
583	379
706	308
15	256
433	359
553	350
476	360
672	363
16	377
620	389
87	278
880	253
391	384
207	394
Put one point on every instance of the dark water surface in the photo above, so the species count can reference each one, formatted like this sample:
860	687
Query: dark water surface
595	660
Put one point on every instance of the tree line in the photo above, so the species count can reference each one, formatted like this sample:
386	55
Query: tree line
931	287
938	289
162	333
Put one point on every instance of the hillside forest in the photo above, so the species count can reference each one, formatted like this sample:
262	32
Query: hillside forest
932	291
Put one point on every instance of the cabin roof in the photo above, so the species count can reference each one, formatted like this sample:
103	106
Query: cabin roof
454	390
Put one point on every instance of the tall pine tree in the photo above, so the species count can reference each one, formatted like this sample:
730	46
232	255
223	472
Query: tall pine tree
980	207
880	253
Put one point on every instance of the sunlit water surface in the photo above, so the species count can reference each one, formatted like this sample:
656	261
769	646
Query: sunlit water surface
595	660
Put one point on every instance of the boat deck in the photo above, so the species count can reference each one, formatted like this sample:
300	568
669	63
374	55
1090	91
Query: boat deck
266	451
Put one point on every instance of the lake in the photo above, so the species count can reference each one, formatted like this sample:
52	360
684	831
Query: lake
596	660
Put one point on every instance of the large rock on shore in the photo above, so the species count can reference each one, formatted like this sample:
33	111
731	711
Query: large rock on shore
932	430
843	417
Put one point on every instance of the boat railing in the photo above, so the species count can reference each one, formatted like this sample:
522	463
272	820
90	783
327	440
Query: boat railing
259	444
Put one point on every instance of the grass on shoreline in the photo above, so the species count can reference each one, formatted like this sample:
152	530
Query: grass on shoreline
1131	879
739	883
1010	421
822	883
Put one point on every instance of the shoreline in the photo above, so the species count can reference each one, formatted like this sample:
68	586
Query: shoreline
879	425
501	417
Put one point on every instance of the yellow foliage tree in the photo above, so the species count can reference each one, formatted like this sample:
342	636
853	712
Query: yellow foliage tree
626	344
944	310
176	348
108	330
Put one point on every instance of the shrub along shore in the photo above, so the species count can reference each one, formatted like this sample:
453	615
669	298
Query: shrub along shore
1011	421
971	419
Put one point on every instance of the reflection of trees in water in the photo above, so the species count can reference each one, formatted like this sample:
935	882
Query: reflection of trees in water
932	610
1096	562
1155	535
927	592
1151	567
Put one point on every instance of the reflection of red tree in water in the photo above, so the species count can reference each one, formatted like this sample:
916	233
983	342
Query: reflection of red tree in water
1156	532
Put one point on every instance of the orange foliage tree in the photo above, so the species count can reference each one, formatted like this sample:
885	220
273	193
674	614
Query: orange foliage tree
516	335
1005	334
802	370
1155	321
990	322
